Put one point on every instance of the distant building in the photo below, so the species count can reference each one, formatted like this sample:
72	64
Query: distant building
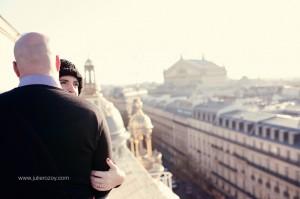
291	92
187	72
227	151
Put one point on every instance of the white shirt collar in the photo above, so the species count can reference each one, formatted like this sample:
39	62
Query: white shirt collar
39	79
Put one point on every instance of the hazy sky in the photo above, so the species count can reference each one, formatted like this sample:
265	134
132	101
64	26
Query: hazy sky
135	40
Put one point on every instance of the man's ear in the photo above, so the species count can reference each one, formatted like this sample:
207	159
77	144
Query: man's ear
57	63
17	72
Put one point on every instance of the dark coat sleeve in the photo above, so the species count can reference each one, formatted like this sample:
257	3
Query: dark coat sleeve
103	148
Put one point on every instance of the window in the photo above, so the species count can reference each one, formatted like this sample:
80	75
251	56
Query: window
268	185
203	116
286	171
276	132
207	118
286	136
253	177
260	131
288	154
249	128
286	193
220	121
199	115
276	188
296	139
227	123
260	180
213	118
268	132
233	124
241	126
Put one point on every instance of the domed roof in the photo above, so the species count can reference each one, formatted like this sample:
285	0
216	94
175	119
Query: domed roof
136	105
88	62
115	121
113	117
140	120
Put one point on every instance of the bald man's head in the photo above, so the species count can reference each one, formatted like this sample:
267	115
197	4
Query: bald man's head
33	55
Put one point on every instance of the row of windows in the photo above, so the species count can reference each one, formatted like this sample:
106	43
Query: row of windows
273	168
246	127
270	149
277	188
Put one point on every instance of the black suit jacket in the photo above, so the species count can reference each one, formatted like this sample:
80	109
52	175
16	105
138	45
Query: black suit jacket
49	143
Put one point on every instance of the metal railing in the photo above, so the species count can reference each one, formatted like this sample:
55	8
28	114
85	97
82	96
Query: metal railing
165	177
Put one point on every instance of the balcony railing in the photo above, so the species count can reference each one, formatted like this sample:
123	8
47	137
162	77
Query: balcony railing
165	177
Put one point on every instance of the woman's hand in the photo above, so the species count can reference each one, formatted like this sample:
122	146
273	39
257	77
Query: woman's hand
107	180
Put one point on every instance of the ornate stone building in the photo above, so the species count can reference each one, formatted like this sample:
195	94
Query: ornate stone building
141	127
186	72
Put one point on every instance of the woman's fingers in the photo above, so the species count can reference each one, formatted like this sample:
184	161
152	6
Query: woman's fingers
106	180
99	184
100	174
111	164
98	180
102	188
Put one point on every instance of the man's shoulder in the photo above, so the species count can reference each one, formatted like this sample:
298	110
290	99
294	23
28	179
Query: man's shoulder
78	103
6	95
49	94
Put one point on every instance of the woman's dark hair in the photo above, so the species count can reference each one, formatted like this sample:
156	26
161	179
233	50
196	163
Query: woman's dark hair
68	68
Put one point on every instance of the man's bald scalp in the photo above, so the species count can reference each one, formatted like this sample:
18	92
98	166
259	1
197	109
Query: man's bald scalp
33	54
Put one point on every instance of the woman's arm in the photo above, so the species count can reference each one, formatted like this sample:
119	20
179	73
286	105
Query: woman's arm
107	180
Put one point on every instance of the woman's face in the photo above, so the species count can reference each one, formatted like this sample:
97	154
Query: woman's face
69	84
